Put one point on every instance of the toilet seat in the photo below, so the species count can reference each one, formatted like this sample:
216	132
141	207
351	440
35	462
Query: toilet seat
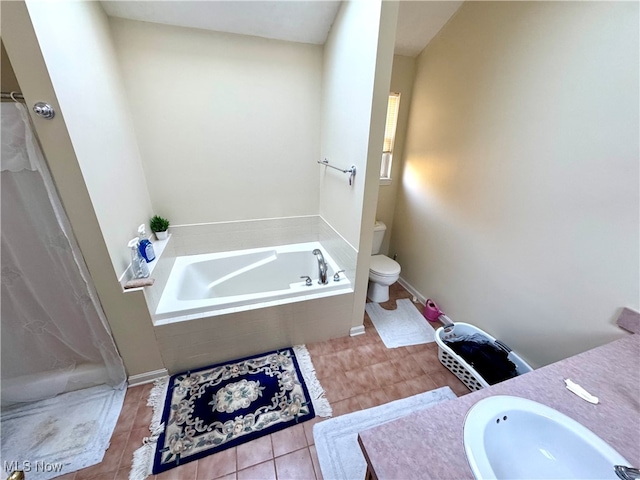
383	266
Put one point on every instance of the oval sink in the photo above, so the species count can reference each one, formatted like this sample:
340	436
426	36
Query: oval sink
509	437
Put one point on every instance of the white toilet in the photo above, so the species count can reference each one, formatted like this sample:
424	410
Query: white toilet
382	270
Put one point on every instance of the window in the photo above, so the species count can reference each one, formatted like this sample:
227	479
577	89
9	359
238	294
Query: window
389	137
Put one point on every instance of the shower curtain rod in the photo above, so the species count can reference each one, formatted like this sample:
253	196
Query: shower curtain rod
8	96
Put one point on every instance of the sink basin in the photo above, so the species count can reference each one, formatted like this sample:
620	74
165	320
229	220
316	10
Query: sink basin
509	437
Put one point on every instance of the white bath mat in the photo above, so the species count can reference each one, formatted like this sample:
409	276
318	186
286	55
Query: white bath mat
60	435
336	440
402	326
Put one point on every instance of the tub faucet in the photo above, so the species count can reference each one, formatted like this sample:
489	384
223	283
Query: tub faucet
322	268
627	473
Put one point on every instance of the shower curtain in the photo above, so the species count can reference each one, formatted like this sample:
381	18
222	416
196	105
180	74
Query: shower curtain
55	337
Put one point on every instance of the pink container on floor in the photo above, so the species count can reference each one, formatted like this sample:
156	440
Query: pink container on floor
431	311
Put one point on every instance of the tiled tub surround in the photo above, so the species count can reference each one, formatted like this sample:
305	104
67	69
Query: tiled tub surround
189	340
429	444
163	265
206	238
245	234
205	340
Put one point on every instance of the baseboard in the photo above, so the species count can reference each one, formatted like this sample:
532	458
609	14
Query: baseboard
411	289
359	330
147	377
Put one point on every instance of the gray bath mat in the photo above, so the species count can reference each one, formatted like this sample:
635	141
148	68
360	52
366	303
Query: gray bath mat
402	326
336	440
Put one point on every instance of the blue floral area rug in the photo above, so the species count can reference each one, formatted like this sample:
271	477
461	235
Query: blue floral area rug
222	406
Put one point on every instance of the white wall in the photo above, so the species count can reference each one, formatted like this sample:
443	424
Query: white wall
402	76
228	125
349	69
76	44
519	207
358	56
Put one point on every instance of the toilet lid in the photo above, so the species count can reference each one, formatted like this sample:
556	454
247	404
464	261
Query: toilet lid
383	265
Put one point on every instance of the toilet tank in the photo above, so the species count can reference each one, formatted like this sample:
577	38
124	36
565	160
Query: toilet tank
378	235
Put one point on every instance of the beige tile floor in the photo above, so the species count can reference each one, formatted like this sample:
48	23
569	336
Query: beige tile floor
356	372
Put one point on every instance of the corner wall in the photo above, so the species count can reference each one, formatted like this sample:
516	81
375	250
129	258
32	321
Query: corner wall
228	125
358	57
402	77
519	208
347	94
76	44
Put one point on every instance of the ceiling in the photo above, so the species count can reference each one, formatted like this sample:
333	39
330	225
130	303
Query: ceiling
296	21
419	22
304	21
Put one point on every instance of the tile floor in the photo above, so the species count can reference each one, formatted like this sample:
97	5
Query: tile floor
356	372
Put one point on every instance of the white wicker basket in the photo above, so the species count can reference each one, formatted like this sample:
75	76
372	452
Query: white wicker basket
461	369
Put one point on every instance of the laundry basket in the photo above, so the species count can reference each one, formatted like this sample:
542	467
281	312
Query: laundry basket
461	369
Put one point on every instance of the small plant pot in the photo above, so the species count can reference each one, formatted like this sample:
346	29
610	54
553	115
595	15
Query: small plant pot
162	235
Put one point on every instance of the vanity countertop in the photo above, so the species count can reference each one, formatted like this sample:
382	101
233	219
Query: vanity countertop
429	443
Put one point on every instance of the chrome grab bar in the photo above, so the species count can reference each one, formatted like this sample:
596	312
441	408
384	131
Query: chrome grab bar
351	171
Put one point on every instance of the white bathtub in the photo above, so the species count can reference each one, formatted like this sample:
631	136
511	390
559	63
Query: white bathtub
226	282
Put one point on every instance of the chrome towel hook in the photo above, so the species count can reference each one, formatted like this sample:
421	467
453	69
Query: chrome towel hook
44	110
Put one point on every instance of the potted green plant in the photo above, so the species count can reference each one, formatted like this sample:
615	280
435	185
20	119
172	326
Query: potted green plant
159	226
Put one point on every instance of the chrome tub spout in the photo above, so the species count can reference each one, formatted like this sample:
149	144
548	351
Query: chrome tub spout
322	267
627	473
